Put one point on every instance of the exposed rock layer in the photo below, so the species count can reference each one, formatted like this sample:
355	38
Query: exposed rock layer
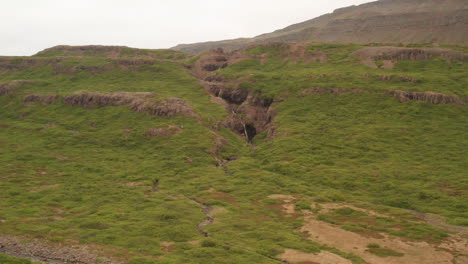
10	87
431	97
138	102
250	112
390	55
40	98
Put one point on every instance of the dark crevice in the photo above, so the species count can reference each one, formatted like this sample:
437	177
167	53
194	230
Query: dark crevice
250	112
250	132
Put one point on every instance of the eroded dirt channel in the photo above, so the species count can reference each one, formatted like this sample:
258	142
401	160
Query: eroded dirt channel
206	209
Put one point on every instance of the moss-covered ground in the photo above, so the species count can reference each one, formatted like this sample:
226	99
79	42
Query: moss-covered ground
75	175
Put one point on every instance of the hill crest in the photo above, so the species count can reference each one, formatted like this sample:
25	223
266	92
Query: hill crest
384	21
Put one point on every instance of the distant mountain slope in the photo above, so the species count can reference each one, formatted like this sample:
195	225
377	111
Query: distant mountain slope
384	21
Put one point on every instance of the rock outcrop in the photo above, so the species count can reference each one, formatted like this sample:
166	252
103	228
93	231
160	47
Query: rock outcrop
10	87
40	98
430	97
6	89
138	102
370	55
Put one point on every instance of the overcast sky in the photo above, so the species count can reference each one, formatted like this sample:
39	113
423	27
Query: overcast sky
28	26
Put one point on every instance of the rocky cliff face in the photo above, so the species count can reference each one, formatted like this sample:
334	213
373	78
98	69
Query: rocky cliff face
384	21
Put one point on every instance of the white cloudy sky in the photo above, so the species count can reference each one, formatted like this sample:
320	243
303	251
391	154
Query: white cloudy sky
28	26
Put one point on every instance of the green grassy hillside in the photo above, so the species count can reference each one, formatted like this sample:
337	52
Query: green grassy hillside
4	259
87	174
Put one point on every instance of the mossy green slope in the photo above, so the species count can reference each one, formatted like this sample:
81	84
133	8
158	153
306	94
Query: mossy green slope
74	174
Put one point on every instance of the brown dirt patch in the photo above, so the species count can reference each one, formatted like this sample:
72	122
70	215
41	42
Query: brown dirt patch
288	200
457	244
388	64
414	252
58	214
42	251
323	257
216	210
194	242
327	207
167	246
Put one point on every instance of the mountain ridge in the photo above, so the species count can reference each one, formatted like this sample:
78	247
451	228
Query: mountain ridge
384	21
